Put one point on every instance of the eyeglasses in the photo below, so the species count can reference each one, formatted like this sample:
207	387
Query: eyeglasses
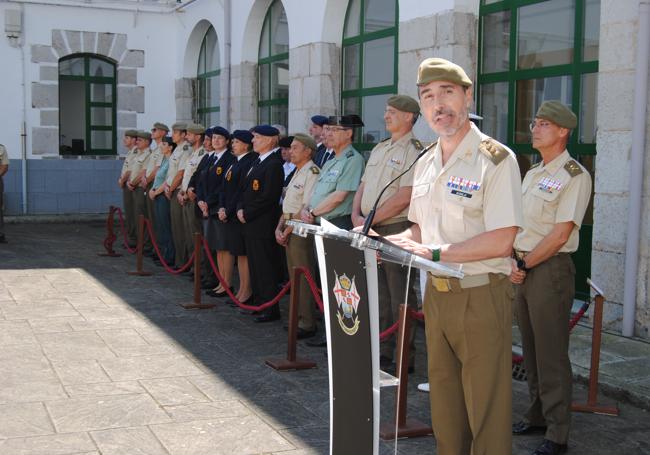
153	130
542	124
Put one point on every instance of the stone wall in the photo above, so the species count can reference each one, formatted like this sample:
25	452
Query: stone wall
243	100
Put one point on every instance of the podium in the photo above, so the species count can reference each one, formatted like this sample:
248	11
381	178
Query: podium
348	272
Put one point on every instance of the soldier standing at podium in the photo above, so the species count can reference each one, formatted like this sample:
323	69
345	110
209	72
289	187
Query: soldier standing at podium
466	206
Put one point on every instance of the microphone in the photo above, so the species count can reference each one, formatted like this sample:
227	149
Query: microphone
371	214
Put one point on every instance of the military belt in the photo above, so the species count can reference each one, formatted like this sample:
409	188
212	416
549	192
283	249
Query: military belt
447	284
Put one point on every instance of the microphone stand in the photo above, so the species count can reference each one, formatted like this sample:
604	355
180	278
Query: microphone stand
371	214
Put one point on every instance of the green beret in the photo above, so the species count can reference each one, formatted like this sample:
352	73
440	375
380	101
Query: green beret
179	126
161	126
404	103
144	135
557	113
439	69
305	140
195	128
131	133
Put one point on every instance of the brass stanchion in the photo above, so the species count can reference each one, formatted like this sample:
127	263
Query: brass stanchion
291	362
406	428
139	270
596	338
110	235
196	304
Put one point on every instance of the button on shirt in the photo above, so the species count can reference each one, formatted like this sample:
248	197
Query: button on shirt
178	160
466	197
552	195
300	188
387	160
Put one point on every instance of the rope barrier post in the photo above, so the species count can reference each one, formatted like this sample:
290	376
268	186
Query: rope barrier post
596	337
291	362
139	270
406	428
110	235
196	304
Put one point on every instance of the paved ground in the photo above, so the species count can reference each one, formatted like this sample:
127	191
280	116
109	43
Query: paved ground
93	361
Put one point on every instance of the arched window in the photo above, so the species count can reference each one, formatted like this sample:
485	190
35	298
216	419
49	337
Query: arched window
208	73
273	67
369	65
87	114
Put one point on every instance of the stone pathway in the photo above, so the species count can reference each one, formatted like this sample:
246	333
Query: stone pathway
94	361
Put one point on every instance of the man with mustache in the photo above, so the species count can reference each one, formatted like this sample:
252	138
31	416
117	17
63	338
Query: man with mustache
466	206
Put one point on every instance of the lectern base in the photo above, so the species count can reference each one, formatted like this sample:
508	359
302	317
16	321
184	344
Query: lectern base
412	428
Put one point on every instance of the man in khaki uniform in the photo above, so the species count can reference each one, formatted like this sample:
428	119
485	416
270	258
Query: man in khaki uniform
138	167
191	224
129	139
4	168
556	193
387	160
158	132
177	162
466	206
300	251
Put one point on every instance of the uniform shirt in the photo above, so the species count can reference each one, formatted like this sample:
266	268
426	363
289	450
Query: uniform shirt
4	157
387	160
556	192
161	175
478	190
300	188
177	160
191	165
343	173
127	160
155	160
138	163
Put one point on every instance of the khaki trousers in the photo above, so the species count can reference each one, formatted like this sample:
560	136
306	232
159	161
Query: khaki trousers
469	347
140	208
129	222
543	307
300	253
178	229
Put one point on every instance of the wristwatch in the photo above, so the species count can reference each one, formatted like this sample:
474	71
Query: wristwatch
311	212
521	265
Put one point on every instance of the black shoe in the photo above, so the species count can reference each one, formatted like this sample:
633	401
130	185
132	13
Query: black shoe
268	317
301	334
319	342
548	447
206	285
224	293
522	427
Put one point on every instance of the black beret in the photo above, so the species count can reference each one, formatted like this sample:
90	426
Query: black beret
243	135
208	132
319	120
266	130
286	141
221	131
348	121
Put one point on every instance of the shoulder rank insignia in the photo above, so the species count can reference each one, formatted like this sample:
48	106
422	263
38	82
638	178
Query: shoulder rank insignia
572	168
314	170
349	154
256	185
384	140
493	150
186	148
535	165
219	170
417	144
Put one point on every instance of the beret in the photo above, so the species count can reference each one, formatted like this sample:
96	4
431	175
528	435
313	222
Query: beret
195	128
161	126
221	131
319	120
348	121
305	140
404	103
243	135
439	69
144	135
131	133
266	130
209	132
179	126
557	113
286	141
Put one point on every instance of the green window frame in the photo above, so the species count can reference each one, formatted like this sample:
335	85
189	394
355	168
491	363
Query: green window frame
578	72
93	85
273	68
208	75
361	37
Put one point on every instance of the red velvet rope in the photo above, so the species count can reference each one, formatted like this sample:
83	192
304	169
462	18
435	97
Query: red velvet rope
124	239
187	265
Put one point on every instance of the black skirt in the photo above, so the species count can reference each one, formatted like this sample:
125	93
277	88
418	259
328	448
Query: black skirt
235	237
217	234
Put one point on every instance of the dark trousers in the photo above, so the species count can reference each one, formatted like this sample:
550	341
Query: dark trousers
164	229
263	264
543	308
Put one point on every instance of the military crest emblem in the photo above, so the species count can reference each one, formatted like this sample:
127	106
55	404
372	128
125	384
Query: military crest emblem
256	185
347	300
219	170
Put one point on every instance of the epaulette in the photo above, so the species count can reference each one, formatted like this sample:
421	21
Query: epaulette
314	169
186	148
572	168
539	163
417	144
493	150
384	140
349	154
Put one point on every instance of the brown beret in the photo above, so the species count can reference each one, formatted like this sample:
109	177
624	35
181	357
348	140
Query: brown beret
404	103
144	135
439	69
557	113
305	140
195	128
180	126
161	126
131	133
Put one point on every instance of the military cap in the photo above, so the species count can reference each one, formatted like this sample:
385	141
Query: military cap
319	120
221	131
286	141
243	135
179	126
305	140
131	133
439	69
161	126
557	113
266	130
404	103
348	121
195	128
144	135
